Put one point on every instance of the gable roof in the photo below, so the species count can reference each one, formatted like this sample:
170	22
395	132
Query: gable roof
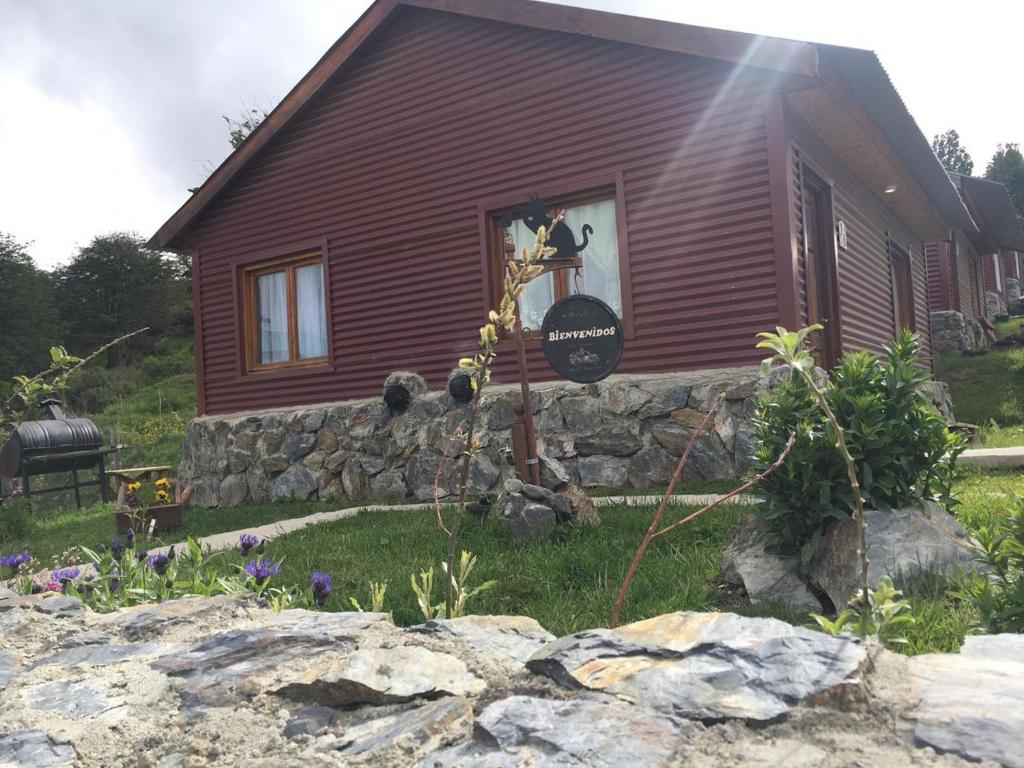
867	80
990	204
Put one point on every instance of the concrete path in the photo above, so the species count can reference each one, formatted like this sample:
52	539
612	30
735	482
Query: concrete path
993	458
229	539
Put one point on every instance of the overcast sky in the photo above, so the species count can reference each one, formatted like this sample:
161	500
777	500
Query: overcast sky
111	109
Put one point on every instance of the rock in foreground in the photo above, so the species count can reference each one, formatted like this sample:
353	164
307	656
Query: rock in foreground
223	682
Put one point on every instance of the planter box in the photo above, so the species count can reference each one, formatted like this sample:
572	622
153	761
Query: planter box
167	516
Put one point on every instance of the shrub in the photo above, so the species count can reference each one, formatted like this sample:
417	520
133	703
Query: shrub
1000	597
898	440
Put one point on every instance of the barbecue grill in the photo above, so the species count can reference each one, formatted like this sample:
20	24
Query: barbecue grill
57	444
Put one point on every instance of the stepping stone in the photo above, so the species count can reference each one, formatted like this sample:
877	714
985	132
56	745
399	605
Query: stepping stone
706	666
34	749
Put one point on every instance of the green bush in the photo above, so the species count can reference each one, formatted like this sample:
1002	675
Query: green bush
895	435
999	598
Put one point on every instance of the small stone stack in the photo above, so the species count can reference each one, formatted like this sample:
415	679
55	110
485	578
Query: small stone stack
531	512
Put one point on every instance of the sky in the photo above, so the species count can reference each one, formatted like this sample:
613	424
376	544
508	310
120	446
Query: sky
111	109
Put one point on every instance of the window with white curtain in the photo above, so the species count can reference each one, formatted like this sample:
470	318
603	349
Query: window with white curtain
599	275
285	313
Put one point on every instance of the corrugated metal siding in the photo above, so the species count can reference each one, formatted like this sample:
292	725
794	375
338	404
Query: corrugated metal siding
939	276
865	276
389	163
1010	264
988	269
798	228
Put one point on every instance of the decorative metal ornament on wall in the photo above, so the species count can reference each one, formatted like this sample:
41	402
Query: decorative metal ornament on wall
582	339
535	214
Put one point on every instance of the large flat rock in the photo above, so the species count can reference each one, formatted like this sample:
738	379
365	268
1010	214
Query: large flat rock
514	638
707	666
598	732
34	749
383	676
972	703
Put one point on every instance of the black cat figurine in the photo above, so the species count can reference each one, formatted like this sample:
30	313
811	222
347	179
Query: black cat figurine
560	237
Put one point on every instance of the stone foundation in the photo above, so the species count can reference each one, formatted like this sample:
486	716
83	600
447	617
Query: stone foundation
626	431
1012	288
994	305
954	332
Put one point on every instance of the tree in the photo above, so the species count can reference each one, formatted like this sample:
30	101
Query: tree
953	157
1007	166
28	315
115	285
247	122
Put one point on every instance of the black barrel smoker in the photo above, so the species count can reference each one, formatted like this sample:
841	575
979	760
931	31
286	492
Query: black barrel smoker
55	445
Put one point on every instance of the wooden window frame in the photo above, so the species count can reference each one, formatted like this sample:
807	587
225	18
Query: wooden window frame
561	194
248	274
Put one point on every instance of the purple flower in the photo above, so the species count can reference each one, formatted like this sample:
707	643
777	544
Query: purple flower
159	563
129	539
261	570
117	548
64	575
322	585
14	562
248	541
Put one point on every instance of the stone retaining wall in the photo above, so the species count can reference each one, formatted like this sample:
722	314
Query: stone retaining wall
954	332
624	431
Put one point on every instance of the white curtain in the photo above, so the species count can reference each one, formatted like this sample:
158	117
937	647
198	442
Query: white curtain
539	294
273	318
312	317
600	273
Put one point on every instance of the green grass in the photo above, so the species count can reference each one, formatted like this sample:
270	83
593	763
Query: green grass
567	582
1009	327
55	531
986	389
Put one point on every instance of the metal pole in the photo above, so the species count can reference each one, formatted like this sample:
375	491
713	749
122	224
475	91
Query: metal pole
532	461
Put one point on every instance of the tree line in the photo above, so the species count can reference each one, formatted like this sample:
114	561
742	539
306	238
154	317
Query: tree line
1006	165
110	287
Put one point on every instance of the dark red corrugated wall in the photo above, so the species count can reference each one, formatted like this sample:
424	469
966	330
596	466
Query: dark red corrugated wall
391	160
988	269
939	276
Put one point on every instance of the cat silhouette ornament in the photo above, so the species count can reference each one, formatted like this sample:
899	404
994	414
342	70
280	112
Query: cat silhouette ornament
560	237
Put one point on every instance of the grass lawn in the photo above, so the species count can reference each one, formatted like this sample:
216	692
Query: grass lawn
987	390
57	530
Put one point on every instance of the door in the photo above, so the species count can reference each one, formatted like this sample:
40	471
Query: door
902	287
821	269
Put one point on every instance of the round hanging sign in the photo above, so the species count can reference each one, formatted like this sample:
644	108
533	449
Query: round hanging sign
582	339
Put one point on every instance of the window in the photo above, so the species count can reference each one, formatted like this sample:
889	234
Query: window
285	313
599	276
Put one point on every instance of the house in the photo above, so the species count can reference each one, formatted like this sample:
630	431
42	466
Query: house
972	274
730	182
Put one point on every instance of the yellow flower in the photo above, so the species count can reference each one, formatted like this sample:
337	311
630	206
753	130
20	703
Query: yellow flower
162	496
163	482
134	486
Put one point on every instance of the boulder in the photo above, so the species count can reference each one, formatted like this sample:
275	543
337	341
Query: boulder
354	480
704	666
525	519
971	704
553	475
597	733
295	447
383	676
514	638
768	579
902	544
389	485
35	749
581	509
417	731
